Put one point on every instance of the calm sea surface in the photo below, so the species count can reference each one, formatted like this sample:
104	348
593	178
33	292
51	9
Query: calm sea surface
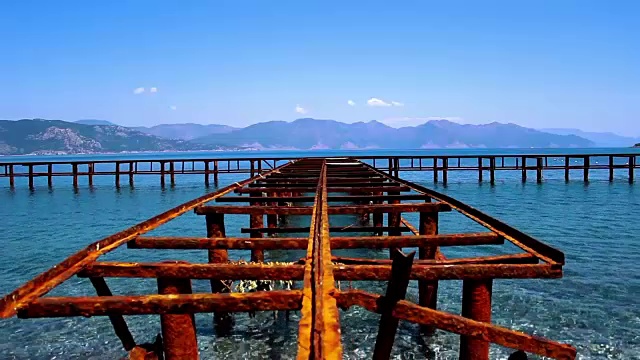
594	306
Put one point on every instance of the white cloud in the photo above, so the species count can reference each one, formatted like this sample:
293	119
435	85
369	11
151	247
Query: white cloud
300	110
173	107
395	103
377	102
139	90
351	103
153	90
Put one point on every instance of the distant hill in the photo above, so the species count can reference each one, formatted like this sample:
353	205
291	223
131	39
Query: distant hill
95	122
37	136
187	131
601	139
636	145
329	134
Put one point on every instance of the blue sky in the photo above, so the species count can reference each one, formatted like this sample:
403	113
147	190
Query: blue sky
544	63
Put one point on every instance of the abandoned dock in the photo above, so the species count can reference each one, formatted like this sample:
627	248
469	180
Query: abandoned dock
363	191
486	167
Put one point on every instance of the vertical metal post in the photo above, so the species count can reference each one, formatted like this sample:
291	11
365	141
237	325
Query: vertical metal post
524	169
479	169
172	173
90	173
378	217
215	228
445	166
74	170
435	170
632	163
117	174
391	166
272	219
539	170
476	305
567	162
393	220
428	290
162	174
131	173
252	168
215	172
587	164
12	180
178	330
256	221
31	176
610	168
206	173
492	166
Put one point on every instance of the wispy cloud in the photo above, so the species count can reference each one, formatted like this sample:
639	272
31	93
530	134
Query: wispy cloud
173	107
301	110
351	103
395	103
153	90
139	90
377	102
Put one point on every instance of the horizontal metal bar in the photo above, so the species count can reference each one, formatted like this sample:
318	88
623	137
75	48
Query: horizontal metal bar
347	189
332	210
309	199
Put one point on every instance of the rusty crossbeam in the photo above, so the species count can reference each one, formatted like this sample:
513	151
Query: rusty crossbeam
277	194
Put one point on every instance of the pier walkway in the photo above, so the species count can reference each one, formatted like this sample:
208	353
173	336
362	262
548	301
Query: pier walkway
364	193
485	167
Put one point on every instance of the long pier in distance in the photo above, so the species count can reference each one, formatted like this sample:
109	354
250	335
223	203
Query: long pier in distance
486	167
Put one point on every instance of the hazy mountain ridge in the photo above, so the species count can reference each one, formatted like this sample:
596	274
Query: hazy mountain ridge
188	131
330	134
603	139
37	136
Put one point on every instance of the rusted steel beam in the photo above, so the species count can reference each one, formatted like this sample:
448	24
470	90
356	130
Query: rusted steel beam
342	229
376	272
215	228
337	189
415	231
330	198
408	311
517	237
396	290
476	305
117	321
162	304
226	271
53	277
333	210
338	242
378	182
499	259
450	272
256	220
178	330
428	290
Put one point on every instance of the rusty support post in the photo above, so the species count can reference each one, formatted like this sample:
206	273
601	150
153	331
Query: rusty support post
131	173
539	170
215	228
172	173
272	219
206	173
74	171
117	321
428	290
215	172
178	330
117	174
393	220
259	166
492	172
524	169
476	305
256	221
445	166
567	162
435	170
610	168
90	174
396	291
397	167
12	180
632	163
479	169
390	166
586	164
31	176
378	217
252	168
162	174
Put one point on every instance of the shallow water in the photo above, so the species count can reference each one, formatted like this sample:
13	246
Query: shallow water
594	306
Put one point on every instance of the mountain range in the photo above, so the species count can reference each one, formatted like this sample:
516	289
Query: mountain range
93	136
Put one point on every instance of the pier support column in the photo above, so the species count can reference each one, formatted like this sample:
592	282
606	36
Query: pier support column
117	175
206	173
31	177
567	161
256	221
215	172
524	169
476	305
428	290
215	229
378	217
12	180
131	171
611	168
492	170
539	170
252	170
172	173
479	169
393	220
445	167
586	164
74	170
90	169
435	170
162	174
178	330
632	164
390	166
272	219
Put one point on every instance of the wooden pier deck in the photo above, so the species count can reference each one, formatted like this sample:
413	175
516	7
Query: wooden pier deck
485	167
268	197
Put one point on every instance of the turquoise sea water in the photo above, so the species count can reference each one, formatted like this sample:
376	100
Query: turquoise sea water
594	306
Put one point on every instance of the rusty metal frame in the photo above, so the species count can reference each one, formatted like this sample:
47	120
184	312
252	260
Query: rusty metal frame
274	194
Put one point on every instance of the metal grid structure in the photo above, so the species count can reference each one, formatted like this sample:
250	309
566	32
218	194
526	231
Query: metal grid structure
371	193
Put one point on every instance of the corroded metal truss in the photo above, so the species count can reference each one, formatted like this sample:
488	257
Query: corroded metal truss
279	192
